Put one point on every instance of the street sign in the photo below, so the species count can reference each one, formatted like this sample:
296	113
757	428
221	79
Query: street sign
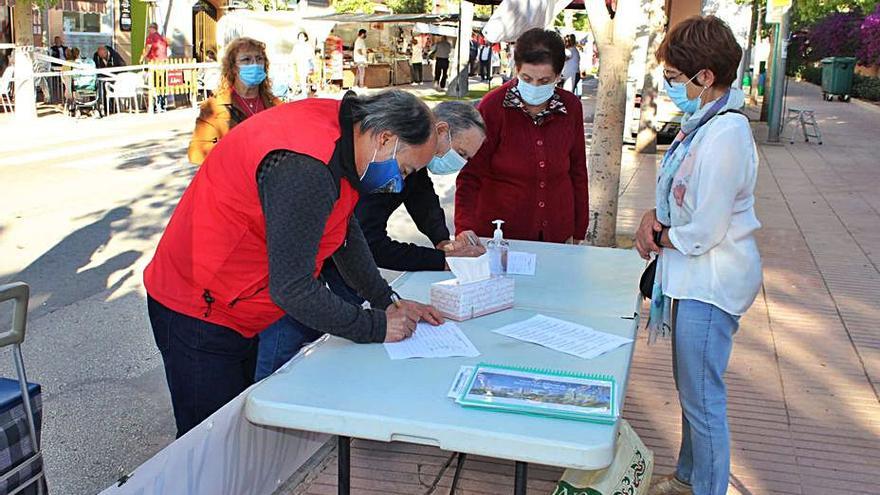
175	78
776	9
125	15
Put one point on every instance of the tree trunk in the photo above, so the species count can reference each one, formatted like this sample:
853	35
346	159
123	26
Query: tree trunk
615	43
606	149
646	141
25	95
750	98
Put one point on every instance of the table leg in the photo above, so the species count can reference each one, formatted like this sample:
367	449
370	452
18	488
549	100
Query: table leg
343	460
458	467
522	474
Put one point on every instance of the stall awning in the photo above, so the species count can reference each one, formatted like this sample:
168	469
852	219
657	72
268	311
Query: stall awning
87	6
575	4
364	18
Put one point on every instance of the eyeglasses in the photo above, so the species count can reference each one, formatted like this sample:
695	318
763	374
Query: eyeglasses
251	60
671	75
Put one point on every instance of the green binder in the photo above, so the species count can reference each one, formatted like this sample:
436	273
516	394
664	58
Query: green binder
541	392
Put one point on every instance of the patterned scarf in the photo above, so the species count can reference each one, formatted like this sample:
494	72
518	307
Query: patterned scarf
659	321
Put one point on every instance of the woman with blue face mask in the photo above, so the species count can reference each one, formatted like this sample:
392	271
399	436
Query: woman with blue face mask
244	91
531	171
708	269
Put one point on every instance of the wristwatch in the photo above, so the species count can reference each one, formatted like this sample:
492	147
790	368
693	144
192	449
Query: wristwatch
395	298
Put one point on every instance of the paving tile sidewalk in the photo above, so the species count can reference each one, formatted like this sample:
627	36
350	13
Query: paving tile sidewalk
805	372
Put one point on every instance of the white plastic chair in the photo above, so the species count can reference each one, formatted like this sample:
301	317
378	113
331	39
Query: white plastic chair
208	81
6	89
124	87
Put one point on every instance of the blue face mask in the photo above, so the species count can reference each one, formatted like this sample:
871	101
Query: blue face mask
450	163
384	176
535	95
677	92
252	74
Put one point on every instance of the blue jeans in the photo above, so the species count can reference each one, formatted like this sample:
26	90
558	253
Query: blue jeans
702	342
280	341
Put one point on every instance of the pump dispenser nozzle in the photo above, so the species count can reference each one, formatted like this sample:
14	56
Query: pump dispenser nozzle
498	235
497	249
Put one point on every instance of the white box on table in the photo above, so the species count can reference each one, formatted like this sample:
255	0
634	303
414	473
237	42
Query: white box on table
463	301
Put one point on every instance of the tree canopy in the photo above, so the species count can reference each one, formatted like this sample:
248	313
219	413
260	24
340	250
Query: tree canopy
408	6
354	6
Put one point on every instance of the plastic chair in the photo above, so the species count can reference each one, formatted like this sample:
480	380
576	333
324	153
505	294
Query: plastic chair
124	87
19	292
6	80
208	81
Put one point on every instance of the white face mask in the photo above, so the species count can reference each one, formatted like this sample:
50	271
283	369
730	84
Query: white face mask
450	163
535	95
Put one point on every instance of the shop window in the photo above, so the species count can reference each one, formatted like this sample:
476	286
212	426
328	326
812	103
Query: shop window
5	25
78	22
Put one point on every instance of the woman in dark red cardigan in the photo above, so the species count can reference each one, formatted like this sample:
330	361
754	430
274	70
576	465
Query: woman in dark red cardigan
532	169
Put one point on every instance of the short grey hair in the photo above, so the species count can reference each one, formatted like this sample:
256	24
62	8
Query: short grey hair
460	116
396	111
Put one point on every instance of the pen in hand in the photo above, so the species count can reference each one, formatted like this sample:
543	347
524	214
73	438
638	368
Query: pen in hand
472	239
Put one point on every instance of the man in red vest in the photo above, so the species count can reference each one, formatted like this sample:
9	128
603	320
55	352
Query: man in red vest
248	241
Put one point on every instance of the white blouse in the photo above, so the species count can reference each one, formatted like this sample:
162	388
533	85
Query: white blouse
712	205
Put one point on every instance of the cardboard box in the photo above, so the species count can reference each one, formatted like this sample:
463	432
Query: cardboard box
461	302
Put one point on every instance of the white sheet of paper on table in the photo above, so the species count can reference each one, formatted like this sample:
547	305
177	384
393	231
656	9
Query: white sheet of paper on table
520	263
428	341
563	336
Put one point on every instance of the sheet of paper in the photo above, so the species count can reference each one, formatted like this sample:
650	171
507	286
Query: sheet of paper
520	263
461	380
446	340
563	336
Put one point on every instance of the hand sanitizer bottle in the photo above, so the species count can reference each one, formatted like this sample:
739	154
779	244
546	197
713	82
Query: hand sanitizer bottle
497	249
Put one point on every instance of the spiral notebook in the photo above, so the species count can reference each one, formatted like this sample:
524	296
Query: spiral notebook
540	392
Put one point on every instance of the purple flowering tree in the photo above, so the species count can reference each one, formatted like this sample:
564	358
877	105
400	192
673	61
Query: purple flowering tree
869	51
837	35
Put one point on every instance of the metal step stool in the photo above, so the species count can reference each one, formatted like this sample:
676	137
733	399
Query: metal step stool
807	120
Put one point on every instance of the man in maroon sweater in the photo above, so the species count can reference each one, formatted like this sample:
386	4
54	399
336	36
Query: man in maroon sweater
532	169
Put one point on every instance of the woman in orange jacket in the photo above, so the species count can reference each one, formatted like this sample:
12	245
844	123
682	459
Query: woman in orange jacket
244	90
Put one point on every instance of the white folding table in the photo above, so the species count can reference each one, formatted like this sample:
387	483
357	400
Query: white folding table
356	391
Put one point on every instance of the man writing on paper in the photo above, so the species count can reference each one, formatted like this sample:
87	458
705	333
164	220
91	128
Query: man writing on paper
460	132
272	203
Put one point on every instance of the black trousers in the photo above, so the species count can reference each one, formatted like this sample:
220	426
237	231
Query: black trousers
441	68
485	69
206	365
417	73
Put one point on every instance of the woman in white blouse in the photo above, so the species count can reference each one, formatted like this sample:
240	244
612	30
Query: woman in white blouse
703	232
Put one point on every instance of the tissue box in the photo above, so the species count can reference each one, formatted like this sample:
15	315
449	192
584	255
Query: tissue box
463	301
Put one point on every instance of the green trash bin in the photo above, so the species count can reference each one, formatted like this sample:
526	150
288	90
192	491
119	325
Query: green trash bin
837	77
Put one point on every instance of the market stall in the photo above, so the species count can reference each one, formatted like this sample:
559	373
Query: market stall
389	45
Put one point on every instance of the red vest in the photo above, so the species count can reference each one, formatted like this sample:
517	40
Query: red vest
212	262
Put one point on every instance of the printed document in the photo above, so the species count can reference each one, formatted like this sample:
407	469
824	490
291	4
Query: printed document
563	336
520	263
428	341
